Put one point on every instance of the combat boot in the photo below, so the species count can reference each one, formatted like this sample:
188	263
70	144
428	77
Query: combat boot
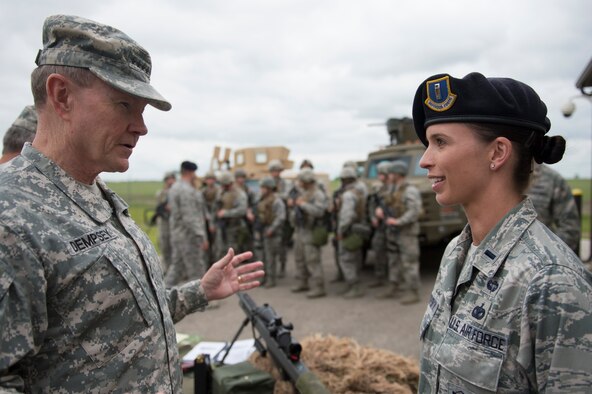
392	291
377	283
412	297
355	291
301	286
316	292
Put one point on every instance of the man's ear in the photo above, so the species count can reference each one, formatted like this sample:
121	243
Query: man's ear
59	94
501	150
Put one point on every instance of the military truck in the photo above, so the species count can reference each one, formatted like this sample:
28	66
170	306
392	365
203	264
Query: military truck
438	224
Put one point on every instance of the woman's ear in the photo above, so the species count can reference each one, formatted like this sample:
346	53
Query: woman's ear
500	153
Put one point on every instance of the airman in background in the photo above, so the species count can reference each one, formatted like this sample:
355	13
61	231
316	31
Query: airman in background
188	228
350	233
555	205
267	220
230	216
306	216
283	188
22	130
377	252
401	216
211	192
163	213
240	179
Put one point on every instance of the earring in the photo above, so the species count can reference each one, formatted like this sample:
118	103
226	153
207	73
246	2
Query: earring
492	166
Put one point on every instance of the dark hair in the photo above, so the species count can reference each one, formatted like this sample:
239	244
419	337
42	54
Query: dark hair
81	76
529	145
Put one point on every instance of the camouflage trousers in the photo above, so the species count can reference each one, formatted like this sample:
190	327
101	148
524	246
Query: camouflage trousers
164	244
403	260
188	259
307	257
378	248
234	237
272	247
350	263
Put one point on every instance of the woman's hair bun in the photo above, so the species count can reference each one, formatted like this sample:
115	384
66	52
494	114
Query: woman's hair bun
549	150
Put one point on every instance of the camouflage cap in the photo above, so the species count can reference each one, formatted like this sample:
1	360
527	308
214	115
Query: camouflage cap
347	173
27	119
267	182
225	178
275	165
306	175
108	53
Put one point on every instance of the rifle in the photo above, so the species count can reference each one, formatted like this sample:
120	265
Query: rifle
283	349
160	211
293	194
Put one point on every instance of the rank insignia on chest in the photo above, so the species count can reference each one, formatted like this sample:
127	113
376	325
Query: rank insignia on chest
440	97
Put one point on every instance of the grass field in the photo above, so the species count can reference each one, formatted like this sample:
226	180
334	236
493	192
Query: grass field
141	197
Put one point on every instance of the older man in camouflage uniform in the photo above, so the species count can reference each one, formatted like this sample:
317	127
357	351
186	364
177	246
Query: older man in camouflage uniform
162	218
83	303
306	214
403	204
555	204
377	252
230	216
188	229
352	215
22	130
268	221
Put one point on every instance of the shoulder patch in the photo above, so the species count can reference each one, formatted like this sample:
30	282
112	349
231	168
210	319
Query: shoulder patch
439	96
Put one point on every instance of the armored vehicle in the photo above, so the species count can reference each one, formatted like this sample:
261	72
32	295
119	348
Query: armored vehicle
438	224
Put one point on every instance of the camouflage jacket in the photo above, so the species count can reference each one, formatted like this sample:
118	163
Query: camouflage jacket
188	210
83	307
555	204
404	201
515	317
351	209
314	207
272	214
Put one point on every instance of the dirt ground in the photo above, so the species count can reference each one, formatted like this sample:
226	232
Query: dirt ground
383	324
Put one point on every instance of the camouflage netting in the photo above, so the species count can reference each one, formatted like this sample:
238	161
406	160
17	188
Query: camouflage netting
346	367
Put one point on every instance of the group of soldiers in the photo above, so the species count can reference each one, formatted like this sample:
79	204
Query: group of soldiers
198	222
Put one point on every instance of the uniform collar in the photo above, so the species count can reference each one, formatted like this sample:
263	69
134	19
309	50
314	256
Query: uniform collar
500	240
94	205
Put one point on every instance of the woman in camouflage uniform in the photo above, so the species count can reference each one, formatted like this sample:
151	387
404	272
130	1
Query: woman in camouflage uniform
510	310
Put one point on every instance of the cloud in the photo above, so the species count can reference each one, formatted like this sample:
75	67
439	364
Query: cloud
312	75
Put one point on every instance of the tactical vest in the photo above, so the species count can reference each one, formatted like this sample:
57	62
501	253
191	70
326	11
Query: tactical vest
265	209
396	200
210	194
228	199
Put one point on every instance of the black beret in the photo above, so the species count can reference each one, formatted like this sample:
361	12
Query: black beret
477	99
188	166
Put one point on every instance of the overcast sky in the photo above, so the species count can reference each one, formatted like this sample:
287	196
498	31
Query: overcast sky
312	74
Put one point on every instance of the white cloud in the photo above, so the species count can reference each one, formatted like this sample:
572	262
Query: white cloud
311	75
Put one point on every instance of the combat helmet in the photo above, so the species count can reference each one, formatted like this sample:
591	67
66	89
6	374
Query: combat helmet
275	165
347	173
383	167
306	175
240	173
268	182
225	178
398	167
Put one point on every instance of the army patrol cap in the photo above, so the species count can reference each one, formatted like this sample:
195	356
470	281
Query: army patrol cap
306	175
108	53
275	165
398	167
383	167
267	182
348	173
27	119
476	99
240	173
225	178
